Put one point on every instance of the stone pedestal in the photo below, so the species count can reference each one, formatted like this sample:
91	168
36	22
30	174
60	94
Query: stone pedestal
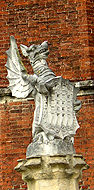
52	172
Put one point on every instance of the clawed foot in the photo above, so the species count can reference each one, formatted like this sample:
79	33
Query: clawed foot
41	138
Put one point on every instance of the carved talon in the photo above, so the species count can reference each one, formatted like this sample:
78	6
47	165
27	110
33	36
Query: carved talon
41	138
46	141
50	137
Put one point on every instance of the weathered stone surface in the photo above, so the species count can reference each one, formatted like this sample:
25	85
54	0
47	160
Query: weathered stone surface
55	147
52	172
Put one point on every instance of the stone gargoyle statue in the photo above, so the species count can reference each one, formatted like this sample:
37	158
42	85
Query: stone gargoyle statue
55	123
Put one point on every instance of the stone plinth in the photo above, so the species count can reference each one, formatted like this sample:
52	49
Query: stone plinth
52	172
54	147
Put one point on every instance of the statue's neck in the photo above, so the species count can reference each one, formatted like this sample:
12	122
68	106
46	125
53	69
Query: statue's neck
42	70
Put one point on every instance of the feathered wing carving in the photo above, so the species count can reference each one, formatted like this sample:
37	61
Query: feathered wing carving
19	87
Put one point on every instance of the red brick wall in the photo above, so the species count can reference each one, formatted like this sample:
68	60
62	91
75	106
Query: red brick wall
90	20
84	139
16	121
68	27
63	23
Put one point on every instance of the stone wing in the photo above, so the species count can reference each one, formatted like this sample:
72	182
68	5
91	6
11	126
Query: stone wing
19	87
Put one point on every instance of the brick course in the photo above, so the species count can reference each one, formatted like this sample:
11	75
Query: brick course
16	121
68	26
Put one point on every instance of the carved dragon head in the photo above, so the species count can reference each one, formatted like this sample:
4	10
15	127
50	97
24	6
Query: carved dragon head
35	52
38	55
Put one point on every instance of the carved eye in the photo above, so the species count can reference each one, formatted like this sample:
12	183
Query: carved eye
41	51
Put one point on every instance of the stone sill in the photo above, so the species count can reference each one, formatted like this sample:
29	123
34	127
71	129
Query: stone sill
85	88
